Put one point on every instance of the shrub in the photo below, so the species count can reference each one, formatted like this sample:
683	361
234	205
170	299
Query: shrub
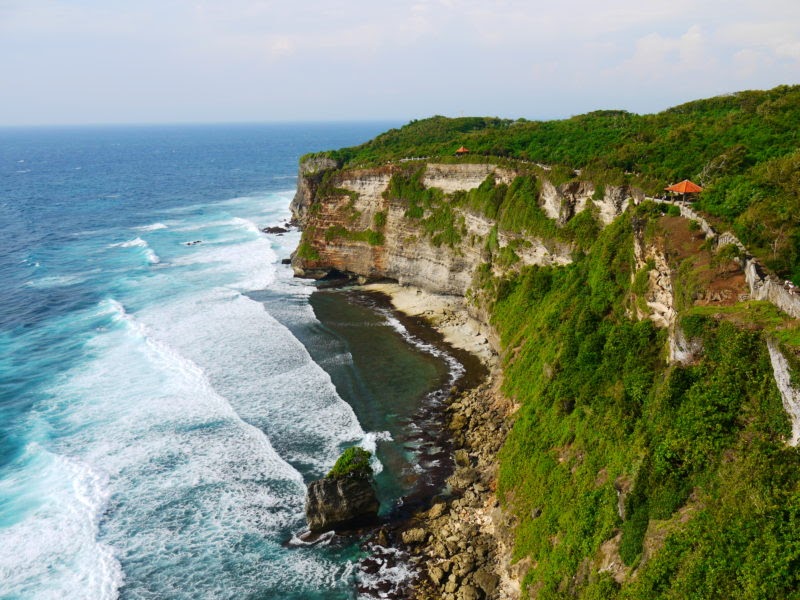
306	251
354	462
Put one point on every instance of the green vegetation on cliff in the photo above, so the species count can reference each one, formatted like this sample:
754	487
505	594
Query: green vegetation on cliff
742	147
681	472
630	476
514	207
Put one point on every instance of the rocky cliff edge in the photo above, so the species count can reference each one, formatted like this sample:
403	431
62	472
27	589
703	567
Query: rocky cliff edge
354	225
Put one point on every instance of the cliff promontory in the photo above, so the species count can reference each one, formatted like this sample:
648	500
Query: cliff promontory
646	414
433	225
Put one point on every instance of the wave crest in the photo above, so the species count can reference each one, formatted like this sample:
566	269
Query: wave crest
152	227
138	242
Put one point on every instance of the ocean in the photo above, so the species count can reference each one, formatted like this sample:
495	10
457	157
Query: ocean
167	387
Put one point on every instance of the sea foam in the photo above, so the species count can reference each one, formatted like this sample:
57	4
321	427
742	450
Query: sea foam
152	227
456	369
283	393
191	475
138	242
52	550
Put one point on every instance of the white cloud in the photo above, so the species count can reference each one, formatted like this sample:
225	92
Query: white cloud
508	57
659	58
779	38
748	62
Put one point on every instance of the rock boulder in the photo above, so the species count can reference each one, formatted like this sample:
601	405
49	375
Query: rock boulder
345	497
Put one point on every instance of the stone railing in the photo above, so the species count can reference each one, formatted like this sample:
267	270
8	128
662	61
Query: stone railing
763	286
766	287
728	239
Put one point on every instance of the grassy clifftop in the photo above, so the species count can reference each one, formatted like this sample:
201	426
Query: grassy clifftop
743	147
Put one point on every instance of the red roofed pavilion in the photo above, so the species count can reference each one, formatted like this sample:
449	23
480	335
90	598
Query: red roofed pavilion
461	151
684	187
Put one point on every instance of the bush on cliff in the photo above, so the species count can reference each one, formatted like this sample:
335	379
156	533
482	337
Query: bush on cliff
742	147
353	462
680	472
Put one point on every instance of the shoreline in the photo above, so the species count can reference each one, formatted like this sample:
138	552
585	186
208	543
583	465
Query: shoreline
446	315
389	570
460	545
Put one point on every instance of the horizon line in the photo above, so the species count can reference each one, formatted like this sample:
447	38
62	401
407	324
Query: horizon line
199	123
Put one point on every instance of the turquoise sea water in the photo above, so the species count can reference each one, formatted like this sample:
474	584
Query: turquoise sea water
158	419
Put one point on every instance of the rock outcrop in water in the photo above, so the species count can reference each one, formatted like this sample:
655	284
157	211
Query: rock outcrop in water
345	498
334	503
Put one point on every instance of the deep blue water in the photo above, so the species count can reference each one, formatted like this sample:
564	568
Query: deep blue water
157	423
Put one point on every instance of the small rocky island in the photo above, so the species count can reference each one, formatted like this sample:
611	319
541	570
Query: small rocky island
345	497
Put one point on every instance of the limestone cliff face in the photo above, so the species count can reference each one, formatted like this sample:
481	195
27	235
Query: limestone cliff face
563	202
452	178
311	170
659	297
353	227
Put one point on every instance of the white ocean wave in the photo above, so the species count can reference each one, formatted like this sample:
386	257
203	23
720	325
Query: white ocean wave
53	551
455	367
138	242
152	227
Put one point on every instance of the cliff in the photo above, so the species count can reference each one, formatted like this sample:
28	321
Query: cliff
356	224
649	382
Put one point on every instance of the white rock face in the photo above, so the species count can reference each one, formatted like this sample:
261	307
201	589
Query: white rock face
565	201
659	297
369	187
789	394
615	201
478	224
411	259
537	252
682	351
406	253
550	200
462	177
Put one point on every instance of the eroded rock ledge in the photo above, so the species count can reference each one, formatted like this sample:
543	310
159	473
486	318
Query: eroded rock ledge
352	225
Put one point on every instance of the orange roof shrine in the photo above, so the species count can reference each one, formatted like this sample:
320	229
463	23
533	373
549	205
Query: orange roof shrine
684	187
462	150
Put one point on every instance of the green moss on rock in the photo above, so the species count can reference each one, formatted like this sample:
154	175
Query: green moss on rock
354	462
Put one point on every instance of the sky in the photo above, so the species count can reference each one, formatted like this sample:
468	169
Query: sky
173	61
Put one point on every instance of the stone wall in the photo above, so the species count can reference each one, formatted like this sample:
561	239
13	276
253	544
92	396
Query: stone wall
767	287
789	393
763	286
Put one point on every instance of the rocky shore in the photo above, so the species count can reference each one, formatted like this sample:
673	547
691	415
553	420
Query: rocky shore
460	546
462	543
